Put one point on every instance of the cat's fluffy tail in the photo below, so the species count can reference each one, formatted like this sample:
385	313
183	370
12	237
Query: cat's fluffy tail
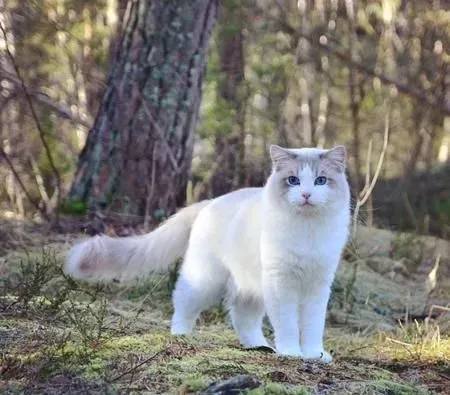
128	258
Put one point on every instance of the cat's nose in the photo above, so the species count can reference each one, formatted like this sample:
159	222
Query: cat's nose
306	195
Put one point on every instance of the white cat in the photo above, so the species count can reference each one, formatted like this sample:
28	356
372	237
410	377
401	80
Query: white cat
271	250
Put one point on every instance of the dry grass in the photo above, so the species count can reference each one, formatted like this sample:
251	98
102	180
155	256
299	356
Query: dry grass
58	336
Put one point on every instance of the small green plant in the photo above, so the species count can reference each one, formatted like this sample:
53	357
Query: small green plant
419	338
56	355
89	321
73	207
33	275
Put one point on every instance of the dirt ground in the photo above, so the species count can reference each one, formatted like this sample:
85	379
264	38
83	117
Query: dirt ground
388	327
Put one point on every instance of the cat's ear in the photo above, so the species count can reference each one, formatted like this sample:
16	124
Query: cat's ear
336	157
280	156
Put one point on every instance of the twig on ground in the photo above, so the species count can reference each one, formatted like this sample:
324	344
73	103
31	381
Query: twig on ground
134	368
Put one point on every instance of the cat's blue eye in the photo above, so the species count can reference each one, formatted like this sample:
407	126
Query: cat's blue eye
292	180
321	180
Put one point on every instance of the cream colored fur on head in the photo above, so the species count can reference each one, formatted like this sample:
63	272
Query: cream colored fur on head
271	250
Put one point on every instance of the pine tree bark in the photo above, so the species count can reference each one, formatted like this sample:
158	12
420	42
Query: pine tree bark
138	154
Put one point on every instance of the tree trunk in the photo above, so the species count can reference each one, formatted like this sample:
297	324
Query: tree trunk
138	154
229	146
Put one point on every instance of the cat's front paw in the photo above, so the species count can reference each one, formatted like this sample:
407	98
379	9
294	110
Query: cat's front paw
317	355
289	352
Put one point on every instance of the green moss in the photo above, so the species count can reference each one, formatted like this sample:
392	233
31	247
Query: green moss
95	369
280	389
393	388
119	345
381	374
193	385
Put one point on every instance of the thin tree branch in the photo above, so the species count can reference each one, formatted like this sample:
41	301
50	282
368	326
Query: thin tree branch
42	98
323	42
39	182
38	124
368	160
150	188
380	161
402	87
160	133
368	188
21	184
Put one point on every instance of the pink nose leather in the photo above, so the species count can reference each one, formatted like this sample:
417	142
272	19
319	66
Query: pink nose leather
306	195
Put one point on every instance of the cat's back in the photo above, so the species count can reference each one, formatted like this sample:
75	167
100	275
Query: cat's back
238	197
228	206
223	213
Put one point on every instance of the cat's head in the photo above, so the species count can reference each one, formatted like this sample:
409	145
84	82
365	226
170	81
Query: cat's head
309	180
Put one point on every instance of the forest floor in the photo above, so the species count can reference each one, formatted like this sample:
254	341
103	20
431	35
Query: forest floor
62	337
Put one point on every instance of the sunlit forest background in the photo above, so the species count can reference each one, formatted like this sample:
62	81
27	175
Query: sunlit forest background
372	75
116	113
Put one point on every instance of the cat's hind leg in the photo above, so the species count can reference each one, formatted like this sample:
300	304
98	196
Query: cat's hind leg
200	285
247	315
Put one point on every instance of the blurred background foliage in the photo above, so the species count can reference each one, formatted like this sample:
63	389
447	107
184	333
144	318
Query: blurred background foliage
296	73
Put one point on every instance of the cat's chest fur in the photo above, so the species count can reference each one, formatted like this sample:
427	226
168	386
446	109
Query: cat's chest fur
311	242
303	256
